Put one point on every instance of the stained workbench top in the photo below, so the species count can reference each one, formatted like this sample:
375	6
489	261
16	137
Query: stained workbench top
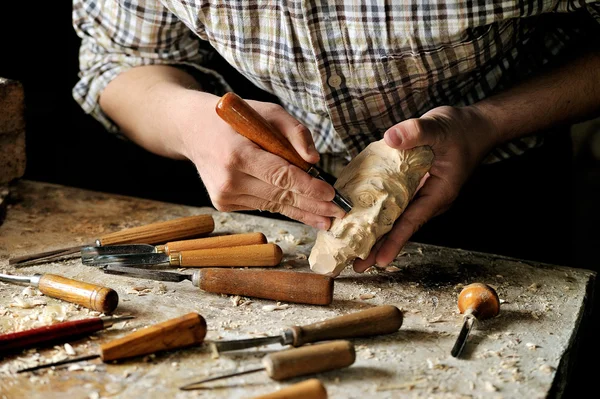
523	352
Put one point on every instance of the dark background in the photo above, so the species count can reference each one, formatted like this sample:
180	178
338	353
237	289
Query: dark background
39	48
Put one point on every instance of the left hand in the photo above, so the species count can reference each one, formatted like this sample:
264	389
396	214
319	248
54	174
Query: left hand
460	138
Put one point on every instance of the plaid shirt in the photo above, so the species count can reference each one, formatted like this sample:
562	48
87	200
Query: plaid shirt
348	70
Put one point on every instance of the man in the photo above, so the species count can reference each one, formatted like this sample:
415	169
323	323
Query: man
482	84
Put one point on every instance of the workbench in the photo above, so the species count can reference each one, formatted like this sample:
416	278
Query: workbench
525	351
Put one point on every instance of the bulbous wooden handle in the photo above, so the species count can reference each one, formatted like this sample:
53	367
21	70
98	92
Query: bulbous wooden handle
233	240
161	232
180	332
310	288
375	321
309	389
250	124
480	300
247	255
309	359
91	296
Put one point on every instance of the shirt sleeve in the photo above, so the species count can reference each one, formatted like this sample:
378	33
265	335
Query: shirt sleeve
117	35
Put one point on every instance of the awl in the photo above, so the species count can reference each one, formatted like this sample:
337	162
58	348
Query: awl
250	124
246	255
288	286
233	240
297	362
91	296
56	333
154	233
379	320
176	333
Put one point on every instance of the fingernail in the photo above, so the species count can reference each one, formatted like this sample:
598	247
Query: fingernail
395	137
311	150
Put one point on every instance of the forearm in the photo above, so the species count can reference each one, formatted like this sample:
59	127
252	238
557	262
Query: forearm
149	105
564	95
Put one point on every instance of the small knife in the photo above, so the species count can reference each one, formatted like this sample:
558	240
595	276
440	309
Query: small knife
246	255
233	240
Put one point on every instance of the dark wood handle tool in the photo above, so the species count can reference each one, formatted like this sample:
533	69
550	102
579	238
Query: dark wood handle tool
250	124
154	233
91	296
180	332
379	320
55	333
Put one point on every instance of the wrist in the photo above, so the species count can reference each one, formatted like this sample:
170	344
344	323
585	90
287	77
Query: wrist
488	123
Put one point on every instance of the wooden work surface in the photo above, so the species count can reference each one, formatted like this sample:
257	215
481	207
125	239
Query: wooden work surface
521	353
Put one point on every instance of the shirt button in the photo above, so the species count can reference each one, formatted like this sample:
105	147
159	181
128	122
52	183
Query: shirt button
334	81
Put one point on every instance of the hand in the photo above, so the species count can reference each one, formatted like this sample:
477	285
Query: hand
239	175
460	138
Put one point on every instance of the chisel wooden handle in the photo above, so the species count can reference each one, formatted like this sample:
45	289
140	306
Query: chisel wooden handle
158	233
297	287
247	255
46	335
91	296
233	240
180	332
375	321
250	124
309	389
309	359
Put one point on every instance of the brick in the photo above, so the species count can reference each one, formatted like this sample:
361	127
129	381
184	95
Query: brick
12	156
12	106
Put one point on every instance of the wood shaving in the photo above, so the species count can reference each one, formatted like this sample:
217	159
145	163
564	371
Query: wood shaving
406	385
28	291
235	300
367	296
546	368
23	304
214	352
69	349
160	288
436	319
534	287
392	269
488	386
531	346
300	256
271	308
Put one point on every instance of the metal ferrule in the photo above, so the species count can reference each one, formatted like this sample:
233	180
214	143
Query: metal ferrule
288	337
313	171
161	249
196	279
175	259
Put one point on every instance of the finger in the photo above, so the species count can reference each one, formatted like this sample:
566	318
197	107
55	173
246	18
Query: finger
316	221
280	173
361	265
255	187
296	133
424	206
413	133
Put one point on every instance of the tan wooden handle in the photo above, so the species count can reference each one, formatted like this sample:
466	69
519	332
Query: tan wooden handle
375	321
187	330
233	240
309	359
91	296
250	124
161	232
297	287
309	389
247	255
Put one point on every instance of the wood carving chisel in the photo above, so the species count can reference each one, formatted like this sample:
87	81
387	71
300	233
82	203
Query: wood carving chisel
250	124
288	286
233	240
56	333
154	233
477	302
379	320
180	332
246	255
297	362
91	296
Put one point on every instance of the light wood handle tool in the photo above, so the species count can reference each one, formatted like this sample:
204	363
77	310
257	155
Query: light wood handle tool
181	332
154	233
250	124
309	389
91	296
297	362
379	320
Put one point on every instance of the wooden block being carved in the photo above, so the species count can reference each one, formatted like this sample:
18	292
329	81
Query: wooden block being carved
380	182
12	130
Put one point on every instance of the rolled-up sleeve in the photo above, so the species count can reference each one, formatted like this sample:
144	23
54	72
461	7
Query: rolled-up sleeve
117	35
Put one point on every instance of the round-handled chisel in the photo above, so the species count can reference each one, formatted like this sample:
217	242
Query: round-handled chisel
91	296
379	320
180	332
297	362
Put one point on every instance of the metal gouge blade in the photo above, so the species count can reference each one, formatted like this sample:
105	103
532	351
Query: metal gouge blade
338	199
147	274
461	341
89	252
152	259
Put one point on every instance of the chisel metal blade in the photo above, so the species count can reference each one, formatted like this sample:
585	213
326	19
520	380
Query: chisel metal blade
147	274
234	345
128	249
154	259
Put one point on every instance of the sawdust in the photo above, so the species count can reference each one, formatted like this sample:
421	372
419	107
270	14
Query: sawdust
271	308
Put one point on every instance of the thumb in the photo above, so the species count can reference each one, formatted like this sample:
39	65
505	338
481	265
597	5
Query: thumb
412	133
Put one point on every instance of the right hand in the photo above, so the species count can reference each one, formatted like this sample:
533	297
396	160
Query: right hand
240	176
